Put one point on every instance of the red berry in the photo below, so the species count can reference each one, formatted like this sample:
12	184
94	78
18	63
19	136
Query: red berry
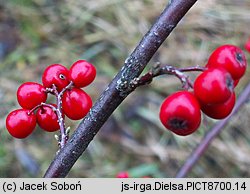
215	85
20	124
82	73
236	82
76	103
247	45
219	111
180	113
229	57
122	175
31	94
47	118
55	74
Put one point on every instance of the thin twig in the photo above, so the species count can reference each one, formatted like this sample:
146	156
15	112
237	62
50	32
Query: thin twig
167	69
58	110
118	89
40	106
211	135
192	68
63	133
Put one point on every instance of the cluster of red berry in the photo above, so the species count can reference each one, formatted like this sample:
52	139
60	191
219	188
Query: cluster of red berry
71	100
213	92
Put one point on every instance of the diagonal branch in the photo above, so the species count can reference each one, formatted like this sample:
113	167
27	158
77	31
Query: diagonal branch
211	134
119	88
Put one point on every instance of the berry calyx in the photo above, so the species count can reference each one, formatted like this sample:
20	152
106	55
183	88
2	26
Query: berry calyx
219	111
20	123
55	74
31	94
82	73
47	118
76	103
230	57
180	113
215	85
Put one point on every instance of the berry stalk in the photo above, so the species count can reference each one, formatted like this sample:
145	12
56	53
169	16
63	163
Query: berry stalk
63	133
41	105
58	110
157	70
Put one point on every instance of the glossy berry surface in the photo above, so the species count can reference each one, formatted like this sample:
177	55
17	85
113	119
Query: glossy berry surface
55	74
20	124
215	85
219	111
247	45
180	113
76	103
30	94
47	119
123	174
229	57
82	73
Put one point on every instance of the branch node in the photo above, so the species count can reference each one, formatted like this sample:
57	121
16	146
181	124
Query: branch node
123	87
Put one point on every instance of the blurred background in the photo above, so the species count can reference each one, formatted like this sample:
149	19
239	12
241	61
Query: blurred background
35	34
